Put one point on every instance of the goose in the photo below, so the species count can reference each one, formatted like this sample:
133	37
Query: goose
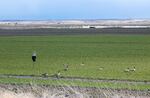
45	75
66	67
133	69
127	70
82	64
58	74
101	68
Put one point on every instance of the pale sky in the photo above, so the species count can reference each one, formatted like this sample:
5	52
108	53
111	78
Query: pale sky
73	9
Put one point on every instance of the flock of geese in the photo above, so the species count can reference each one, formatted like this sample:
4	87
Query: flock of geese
66	68
130	69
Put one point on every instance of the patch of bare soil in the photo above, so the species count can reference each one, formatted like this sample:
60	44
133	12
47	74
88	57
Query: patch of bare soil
45	91
77	31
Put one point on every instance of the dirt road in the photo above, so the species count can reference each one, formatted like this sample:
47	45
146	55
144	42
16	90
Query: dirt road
91	31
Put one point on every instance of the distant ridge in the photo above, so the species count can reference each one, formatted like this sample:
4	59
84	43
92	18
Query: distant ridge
75	23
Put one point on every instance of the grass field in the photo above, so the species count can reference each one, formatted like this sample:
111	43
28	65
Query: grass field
113	53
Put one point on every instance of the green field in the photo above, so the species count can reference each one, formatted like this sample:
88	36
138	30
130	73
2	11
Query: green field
113	53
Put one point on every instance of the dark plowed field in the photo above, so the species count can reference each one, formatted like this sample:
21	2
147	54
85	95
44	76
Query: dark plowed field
11	32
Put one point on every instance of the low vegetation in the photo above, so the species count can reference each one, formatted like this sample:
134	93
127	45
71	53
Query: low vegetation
76	83
86	56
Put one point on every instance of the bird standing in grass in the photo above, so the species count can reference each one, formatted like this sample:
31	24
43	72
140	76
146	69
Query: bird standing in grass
101	68
58	74
34	58
127	70
82	64
45	75
133	69
66	67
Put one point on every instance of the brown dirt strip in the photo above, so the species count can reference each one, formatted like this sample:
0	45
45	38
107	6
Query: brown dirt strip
91	31
47	91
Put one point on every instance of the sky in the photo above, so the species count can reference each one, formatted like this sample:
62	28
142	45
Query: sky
74	9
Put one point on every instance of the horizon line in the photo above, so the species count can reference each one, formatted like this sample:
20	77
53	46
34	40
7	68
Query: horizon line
73	19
